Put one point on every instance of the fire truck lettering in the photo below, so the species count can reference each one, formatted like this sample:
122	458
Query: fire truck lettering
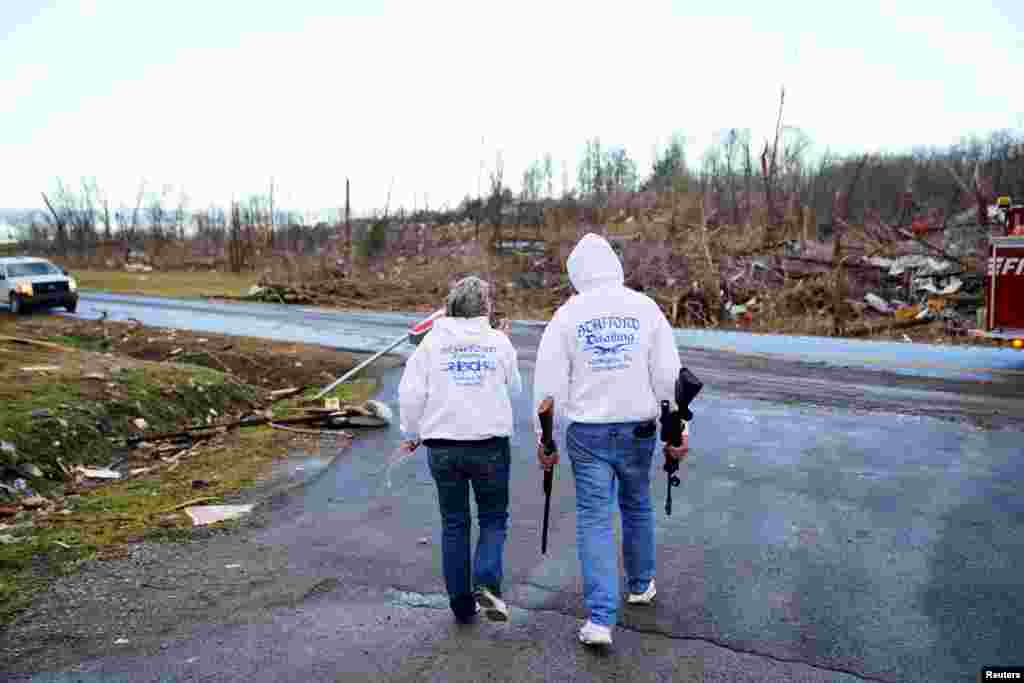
1008	264
1020	267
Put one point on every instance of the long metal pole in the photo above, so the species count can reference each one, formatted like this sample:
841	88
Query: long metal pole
412	335
359	367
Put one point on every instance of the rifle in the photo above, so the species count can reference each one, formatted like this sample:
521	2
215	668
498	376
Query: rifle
545	414
687	388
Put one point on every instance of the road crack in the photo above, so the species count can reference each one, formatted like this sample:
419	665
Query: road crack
435	601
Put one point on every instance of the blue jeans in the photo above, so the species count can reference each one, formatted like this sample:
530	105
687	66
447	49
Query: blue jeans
485	464
600	455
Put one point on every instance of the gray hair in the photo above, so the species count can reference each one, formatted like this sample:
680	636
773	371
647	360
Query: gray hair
470	297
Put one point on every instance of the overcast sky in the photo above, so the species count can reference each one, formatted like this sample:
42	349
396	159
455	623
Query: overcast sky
218	96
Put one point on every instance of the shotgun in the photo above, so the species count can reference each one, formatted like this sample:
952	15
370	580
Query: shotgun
687	388
548	441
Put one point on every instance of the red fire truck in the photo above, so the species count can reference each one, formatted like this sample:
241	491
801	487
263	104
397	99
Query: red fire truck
1004	280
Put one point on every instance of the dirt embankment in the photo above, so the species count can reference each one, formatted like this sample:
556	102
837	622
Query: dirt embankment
74	486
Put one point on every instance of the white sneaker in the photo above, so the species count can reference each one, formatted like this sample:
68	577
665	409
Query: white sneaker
645	598
494	607
595	634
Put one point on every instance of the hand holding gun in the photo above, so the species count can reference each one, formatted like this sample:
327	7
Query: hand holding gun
547	454
687	388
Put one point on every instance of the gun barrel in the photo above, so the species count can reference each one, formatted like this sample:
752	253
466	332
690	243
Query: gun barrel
548	476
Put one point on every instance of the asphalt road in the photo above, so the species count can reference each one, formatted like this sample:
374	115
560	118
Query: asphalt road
834	524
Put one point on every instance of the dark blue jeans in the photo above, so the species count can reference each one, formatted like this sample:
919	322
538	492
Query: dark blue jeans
455	465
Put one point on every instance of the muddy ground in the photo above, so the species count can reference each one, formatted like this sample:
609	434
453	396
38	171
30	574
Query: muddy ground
260	362
73	390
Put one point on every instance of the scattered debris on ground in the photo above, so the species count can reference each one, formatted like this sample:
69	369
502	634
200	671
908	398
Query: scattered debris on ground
212	514
86	462
874	280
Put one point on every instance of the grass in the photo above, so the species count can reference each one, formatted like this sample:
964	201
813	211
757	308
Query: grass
355	392
103	520
78	409
82	416
166	283
100	522
79	342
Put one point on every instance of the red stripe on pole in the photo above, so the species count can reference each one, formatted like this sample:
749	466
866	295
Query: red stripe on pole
424	326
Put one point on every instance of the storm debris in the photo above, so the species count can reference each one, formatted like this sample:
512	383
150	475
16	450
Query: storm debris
212	514
31	470
98	473
34	502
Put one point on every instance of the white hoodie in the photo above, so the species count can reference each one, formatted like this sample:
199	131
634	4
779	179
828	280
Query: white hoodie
456	384
608	354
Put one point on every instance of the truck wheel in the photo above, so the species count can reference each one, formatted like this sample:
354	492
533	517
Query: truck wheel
17	307
71	307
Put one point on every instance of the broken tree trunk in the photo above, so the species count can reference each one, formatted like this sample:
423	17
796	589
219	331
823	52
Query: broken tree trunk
888	326
837	290
248	422
37	342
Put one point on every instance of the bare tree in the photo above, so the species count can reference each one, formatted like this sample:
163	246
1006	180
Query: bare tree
236	246
730	150
88	212
180	213
348	227
496	199
107	228
157	214
549	175
136	216
59	221
770	167
270	236
533	180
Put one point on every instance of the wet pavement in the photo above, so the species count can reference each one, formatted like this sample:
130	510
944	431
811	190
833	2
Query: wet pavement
926	360
810	541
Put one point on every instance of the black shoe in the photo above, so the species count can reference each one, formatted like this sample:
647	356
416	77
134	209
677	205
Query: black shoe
467	618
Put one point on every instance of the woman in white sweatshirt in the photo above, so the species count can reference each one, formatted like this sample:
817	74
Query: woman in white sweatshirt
454	397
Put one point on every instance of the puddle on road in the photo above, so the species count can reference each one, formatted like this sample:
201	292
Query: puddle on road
300	464
412	599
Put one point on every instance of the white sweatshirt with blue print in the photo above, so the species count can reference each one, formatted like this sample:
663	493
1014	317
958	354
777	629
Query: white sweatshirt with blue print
458	383
608	354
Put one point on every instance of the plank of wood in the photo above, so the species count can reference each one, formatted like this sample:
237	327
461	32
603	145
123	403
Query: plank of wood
889	326
187	503
37	342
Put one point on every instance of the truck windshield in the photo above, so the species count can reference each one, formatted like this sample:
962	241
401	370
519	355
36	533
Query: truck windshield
33	268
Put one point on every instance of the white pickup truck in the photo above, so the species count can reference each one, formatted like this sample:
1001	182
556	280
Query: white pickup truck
29	282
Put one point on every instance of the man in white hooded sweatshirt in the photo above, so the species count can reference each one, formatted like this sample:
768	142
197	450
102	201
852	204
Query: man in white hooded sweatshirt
607	359
454	396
